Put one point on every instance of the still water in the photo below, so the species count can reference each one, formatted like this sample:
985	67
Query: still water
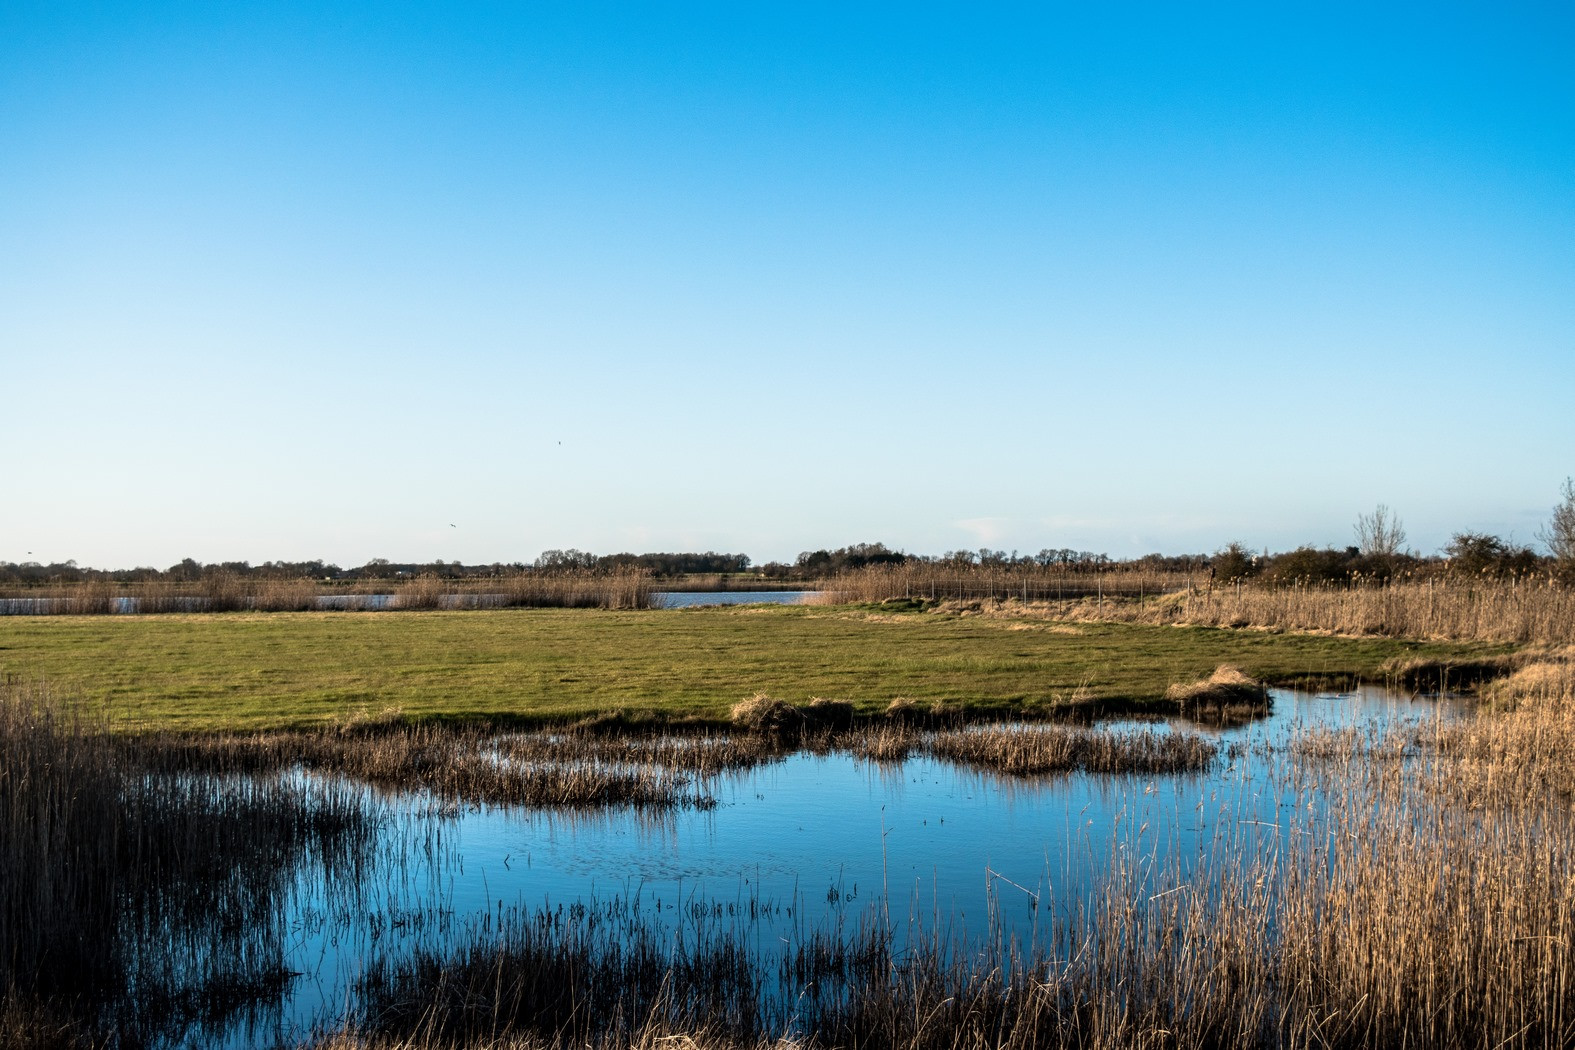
689	599
801	841
382	602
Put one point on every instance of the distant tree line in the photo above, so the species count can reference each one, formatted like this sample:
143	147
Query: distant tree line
1378	554
663	564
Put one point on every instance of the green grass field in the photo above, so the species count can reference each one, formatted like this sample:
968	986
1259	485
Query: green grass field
233	671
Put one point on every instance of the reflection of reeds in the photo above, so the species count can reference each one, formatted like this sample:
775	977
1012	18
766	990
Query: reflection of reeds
457	764
113	875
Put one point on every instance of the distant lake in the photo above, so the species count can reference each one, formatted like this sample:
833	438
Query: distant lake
686	599
379	602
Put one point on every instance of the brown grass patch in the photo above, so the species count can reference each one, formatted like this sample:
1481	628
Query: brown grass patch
1046	750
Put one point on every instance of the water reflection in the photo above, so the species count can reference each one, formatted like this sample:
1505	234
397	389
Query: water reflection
802	842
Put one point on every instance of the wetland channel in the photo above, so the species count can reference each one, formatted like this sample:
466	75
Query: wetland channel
803	845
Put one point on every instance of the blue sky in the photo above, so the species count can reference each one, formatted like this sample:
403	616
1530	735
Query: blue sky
472	281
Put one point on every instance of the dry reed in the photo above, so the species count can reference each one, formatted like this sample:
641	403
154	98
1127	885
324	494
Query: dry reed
1028	751
231	592
113	875
1536	610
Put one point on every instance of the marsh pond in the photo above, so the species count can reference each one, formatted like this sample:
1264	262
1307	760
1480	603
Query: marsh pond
751	881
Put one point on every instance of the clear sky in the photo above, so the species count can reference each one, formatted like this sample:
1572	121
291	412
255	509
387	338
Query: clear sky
468	281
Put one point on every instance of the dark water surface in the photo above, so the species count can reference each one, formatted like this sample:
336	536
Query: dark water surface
805	841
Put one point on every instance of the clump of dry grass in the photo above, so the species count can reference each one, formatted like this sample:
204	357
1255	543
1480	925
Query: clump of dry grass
902	710
906	711
882	743
1543	679
1029	751
703	755
1227	697
1226	685
763	713
1520	751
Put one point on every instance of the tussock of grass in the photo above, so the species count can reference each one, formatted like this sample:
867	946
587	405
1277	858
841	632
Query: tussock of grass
1227	685
766	714
1226	697
1541	681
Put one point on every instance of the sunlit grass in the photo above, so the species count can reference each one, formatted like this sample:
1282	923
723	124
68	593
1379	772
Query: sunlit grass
279	670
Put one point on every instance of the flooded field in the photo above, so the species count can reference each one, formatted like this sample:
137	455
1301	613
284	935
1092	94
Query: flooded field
787	849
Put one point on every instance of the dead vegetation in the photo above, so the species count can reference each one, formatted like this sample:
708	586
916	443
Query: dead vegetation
1228	696
1536	610
1030	751
223	592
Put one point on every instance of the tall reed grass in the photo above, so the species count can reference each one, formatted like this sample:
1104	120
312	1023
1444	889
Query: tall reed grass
113	876
228	592
940	581
1537	610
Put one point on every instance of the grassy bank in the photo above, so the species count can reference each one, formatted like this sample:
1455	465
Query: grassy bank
253	671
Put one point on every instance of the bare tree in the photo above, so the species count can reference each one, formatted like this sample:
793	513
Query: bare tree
1380	533
1560	532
